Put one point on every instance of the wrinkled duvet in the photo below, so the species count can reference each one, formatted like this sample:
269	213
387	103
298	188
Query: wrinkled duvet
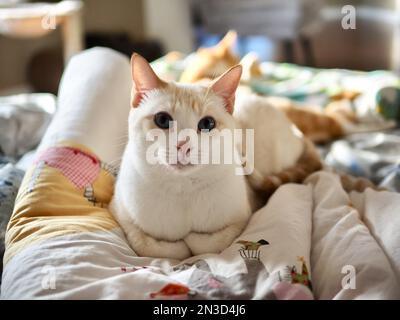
310	241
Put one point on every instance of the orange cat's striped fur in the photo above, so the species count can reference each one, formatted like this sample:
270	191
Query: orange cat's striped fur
212	62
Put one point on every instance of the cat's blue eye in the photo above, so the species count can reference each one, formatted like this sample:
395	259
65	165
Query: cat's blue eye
162	120
206	124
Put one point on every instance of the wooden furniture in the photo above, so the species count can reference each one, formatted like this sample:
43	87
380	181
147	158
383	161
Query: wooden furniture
29	20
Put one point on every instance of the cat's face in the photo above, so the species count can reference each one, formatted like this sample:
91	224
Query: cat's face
171	123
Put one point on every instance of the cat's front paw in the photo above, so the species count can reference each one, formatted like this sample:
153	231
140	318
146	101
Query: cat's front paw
215	242
146	246
199	243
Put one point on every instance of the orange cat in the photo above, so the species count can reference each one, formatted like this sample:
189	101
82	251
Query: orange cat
212	62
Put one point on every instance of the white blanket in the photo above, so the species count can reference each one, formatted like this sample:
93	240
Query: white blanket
351	240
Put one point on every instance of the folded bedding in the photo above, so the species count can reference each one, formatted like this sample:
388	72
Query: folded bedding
310	240
10	181
23	119
61	224
373	155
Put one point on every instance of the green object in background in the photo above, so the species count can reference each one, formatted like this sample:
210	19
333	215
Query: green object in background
388	103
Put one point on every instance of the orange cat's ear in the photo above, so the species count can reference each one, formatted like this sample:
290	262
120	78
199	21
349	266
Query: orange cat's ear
226	85
228	42
144	79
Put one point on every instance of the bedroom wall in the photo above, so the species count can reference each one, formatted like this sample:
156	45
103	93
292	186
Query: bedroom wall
366	48
369	46
159	15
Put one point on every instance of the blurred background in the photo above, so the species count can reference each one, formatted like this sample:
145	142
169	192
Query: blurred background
305	32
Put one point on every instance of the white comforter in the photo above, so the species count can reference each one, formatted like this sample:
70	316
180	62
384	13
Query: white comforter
346	245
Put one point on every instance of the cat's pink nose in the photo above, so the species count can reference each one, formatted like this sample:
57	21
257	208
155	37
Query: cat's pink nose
180	144
183	147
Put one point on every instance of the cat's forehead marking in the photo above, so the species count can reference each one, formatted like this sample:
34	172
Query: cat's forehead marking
189	96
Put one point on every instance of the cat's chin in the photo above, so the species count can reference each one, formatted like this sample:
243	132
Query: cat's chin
181	168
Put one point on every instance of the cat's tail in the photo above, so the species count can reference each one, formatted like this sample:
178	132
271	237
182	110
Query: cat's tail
308	163
359	184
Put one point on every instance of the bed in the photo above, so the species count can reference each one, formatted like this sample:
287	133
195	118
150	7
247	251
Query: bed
312	240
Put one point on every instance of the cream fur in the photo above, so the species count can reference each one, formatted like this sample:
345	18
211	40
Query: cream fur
175	213
278	144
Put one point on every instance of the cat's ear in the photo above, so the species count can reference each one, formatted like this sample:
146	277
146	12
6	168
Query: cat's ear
144	79
225	86
228	42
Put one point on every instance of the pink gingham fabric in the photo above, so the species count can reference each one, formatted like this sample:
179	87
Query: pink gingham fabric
79	167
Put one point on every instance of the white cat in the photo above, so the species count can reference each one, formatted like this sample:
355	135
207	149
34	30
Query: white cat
179	210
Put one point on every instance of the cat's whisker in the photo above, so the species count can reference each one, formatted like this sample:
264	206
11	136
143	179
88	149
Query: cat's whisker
124	136
115	161
206	95
120	139
118	145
